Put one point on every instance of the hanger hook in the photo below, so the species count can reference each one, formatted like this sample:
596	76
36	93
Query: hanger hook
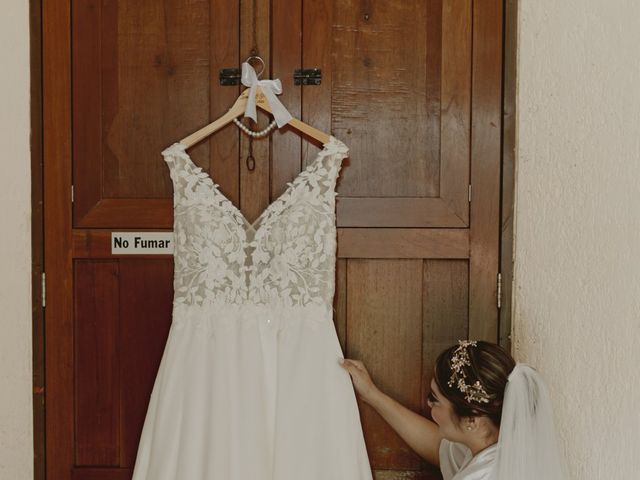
256	57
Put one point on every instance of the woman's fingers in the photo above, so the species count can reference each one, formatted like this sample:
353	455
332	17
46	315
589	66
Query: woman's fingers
349	361
360	377
352	364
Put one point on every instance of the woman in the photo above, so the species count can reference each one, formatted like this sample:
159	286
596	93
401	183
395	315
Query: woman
492	418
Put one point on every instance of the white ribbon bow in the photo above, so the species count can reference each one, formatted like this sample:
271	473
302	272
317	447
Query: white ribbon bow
270	88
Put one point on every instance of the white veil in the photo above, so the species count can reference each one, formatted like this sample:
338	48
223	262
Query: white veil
527	445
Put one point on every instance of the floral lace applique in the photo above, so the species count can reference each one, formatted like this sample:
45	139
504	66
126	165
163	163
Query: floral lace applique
286	258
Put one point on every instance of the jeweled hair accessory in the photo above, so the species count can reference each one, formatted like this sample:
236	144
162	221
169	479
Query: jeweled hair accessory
460	359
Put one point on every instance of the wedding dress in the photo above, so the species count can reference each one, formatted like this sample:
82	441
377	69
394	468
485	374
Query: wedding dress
249	386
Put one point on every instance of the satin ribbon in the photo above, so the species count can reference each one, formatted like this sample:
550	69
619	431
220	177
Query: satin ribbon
270	88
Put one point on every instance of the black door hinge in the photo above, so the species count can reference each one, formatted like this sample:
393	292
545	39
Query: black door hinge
307	76
229	76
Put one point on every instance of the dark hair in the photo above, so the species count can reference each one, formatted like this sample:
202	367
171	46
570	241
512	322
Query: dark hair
490	364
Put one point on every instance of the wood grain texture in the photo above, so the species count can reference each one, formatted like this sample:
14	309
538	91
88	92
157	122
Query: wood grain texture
118	305
456	105
430	473
352	243
396	212
37	240
128	213
402	243
87	103
155	77
351	212
384	323
146	293
56	71
378	98
286	56
317	34
137	88
433	87
101	473
224	145
485	169
97	365
340	303
254	185
385	104
445	316
508	169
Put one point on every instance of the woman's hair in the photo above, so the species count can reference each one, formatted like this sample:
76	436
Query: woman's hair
490	365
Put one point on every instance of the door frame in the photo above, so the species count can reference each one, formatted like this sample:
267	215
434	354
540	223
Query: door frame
508	167
52	221
37	239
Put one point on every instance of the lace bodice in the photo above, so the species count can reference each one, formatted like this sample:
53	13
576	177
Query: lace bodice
286	257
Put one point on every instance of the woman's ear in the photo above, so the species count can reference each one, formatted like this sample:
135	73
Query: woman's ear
470	424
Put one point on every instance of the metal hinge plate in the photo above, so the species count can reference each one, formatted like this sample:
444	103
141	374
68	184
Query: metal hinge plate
229	76
499	290
44	289
301	76
307	76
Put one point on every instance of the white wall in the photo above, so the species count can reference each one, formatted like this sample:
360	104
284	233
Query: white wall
577	250
16	429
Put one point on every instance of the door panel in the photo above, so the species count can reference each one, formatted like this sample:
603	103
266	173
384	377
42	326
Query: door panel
398	93
144	76
122	319
384	315
97	372
413	88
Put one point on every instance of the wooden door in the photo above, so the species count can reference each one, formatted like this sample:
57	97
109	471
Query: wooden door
412	87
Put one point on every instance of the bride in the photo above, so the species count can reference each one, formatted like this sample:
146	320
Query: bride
492	418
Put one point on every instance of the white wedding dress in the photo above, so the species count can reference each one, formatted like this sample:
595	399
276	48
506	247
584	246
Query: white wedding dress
249	386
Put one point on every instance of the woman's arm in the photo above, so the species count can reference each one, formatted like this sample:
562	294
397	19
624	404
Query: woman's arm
421	434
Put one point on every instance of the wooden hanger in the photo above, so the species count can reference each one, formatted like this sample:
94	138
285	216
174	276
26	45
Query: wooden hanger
238	109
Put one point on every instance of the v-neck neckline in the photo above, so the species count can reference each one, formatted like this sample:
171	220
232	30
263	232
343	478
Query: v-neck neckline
255	226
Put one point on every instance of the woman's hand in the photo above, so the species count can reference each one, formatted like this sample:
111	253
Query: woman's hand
361	379
420	433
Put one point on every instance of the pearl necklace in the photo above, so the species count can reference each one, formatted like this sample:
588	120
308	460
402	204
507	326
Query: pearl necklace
253	133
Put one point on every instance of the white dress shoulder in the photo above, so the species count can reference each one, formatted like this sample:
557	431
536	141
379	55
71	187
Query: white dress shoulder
457	462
